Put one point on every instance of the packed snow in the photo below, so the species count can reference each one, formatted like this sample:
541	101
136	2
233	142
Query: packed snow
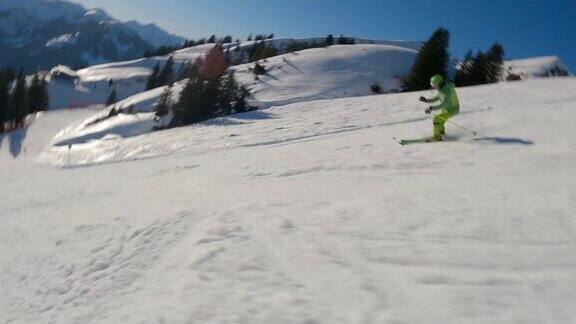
302	213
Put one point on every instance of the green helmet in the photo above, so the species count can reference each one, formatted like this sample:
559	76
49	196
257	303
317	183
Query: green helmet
436	80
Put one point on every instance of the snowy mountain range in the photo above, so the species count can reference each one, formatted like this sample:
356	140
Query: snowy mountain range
44	33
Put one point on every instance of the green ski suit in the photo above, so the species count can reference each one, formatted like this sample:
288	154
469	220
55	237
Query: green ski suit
449	107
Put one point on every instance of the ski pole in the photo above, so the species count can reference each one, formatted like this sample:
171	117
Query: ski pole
456	124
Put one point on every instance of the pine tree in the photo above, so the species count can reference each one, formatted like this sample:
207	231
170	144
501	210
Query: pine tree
152	81
207	96
376	88
190	70
228	93
20	99
211	40
260	51
198	101
259	69
342	40
495	63
38	95
4	102
164	103
462	76
7	111
33	94
166	76
481	69
478	72
112	98
8	74
43	97
226	40
431	60
329	40
241	106
249	38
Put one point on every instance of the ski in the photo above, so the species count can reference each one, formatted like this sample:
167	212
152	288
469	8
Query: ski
409	141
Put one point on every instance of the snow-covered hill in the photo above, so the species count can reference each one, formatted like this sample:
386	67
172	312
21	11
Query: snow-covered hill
318	73
334	72
345	70
44	33
305	213
537	67
337	71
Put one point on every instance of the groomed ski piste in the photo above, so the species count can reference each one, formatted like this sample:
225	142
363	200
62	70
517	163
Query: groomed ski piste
303	213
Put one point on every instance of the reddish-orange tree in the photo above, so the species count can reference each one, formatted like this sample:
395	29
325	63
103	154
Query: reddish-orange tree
214	65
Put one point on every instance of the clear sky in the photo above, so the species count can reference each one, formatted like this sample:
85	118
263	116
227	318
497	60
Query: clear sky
525	27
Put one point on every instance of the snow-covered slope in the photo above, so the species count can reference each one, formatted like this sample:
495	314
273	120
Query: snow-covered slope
92	85
306	213
537	67
333	72
343	71
336	71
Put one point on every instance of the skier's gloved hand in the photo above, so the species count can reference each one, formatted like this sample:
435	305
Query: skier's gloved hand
428	110
422	99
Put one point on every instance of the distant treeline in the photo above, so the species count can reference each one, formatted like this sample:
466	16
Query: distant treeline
258	46
165	50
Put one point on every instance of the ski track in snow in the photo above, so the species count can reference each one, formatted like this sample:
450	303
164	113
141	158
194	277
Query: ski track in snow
306	213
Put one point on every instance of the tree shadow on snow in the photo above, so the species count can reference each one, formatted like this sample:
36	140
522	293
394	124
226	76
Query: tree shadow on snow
253	115
16	138
504	141
224	121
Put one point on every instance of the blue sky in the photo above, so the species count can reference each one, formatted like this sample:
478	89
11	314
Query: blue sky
525	27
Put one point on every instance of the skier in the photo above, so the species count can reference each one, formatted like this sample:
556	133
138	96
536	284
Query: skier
449	106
